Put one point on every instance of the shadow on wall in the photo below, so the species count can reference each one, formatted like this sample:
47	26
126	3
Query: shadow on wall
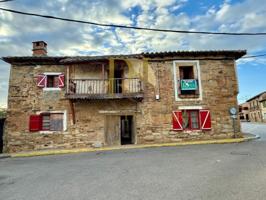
2	122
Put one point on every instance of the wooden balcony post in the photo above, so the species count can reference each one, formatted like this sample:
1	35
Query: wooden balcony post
111	74
145	73
67	80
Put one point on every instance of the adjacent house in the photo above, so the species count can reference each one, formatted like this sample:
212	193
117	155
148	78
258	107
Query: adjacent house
244	112
83	101
257	105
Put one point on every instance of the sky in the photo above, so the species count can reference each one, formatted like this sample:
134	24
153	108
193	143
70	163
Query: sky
64	38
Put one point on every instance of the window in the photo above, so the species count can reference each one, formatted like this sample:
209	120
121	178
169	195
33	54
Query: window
45	121
264	104
51	80
48	121
191	120
186	74
187	81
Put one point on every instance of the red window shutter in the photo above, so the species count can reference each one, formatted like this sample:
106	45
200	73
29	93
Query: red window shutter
61	80
41	80
177	120
205	119
35	123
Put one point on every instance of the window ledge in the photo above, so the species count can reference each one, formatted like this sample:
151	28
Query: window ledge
52	132
184	96
52	89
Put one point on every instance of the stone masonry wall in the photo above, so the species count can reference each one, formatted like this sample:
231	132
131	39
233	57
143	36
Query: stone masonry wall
153	117
219	86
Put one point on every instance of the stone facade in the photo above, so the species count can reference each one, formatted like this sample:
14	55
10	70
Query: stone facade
86	118
244	112
257	108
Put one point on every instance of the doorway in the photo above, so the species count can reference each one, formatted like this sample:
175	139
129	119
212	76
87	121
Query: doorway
118	75
119	130
126	129
2	121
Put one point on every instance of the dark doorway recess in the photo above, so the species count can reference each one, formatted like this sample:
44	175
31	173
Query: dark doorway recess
118	73
126	129
2	121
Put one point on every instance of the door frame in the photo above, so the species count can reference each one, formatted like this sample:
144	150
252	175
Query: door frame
134	129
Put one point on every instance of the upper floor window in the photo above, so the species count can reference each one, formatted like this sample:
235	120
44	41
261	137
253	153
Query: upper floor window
51	80
188	83
187	80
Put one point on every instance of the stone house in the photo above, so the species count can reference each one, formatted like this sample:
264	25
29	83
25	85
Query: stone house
83	101
244	111
257	108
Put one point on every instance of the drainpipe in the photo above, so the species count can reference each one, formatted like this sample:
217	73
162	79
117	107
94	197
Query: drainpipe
157	96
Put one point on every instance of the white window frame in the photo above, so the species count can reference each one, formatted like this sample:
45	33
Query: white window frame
64	112
51	88
176	63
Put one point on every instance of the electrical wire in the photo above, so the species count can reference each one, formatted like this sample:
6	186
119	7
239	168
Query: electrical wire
6	1
253	56
131	27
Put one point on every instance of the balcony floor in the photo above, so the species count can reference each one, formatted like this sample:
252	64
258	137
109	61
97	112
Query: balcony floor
137	96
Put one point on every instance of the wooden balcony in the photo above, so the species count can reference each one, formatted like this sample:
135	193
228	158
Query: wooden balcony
117	88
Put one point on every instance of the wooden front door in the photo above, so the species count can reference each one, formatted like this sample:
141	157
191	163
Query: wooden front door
112	130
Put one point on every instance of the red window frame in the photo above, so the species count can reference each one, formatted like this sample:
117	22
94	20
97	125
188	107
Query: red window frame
190	121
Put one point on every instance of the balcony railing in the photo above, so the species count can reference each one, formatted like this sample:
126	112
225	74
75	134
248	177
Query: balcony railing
105	88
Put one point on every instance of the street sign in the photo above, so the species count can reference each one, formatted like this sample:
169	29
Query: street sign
189	84
234	116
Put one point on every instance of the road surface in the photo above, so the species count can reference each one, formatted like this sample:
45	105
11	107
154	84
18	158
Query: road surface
207	172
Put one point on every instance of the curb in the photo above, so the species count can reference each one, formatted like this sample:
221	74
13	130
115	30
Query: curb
3	156
255	137
83	150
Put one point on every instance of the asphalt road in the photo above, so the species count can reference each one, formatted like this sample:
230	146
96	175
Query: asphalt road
255	128
224	171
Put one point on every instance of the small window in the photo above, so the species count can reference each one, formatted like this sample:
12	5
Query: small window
52	81
52	121
190	119
186	74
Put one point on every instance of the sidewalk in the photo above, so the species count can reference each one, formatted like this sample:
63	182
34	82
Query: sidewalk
247	137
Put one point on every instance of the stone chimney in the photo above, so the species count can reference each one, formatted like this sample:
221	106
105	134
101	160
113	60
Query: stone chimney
39	48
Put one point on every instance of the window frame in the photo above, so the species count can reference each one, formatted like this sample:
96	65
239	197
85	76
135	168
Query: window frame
196	65
190	121
54	112
51	88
